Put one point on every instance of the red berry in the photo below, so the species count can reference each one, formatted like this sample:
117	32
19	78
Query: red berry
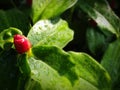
21	43
29	2
113	4
92	22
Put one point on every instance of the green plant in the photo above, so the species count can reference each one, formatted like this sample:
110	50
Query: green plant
74	45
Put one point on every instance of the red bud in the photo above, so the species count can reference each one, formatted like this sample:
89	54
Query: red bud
21	43
29	2
93	22
113	4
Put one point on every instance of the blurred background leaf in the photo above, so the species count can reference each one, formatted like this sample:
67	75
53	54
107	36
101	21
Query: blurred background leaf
9	72
101	12
111	61
44	9
14	18
98	42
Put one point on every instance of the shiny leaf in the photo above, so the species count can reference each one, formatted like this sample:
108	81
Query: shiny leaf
43	9
50	32
79	68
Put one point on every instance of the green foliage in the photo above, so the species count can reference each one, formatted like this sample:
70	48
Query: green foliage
102	14
9	72
68	66
50	32
111	62
48	65
6	37
45	77
96	40
44	9
14	18
92	72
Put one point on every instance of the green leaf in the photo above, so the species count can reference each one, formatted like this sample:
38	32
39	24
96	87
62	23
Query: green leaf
82	84
50	32
101	12
14	18
90	73
95	40
57	59
3	21
111	61
25	71
43	77
79	68
6	37
9	72
43	9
